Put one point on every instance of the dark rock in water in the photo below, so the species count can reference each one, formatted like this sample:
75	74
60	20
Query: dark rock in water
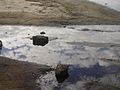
97	30
40	40
105	3
5	32
64	26
85	29
42	32
71	27
1	44
61	73
31	38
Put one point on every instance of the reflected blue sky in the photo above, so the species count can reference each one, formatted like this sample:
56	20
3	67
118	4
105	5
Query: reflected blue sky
96	71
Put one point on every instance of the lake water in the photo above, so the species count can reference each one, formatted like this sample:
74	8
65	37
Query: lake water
91	51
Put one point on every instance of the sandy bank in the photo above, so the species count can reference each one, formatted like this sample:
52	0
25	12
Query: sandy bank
54	12
17	75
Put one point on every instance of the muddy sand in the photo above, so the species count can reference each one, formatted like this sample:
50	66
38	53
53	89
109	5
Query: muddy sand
18	75
56	12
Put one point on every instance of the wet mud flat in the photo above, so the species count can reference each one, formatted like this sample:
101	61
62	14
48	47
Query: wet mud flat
18	75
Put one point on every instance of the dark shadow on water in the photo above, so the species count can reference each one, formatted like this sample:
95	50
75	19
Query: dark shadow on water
0	50
103	49
76	73
62	77
91	44
95	72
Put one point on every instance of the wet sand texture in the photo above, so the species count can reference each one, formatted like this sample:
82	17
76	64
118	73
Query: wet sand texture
55	12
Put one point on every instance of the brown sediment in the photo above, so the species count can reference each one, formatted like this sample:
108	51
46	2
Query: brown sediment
95	85
55	12
19	75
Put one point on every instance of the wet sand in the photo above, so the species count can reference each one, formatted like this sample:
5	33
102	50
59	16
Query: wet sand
18	75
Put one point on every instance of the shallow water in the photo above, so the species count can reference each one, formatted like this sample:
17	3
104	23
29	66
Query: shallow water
92	54
109	75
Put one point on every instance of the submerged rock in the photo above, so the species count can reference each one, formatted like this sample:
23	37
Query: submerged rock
6	32
71	27
85	29
106	3
1	44
61	73
40	40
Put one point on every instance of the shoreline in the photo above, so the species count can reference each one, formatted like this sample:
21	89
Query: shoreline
19	75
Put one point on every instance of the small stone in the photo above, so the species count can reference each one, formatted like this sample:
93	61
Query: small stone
42	32
64	26
5	32
105	3
71	27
